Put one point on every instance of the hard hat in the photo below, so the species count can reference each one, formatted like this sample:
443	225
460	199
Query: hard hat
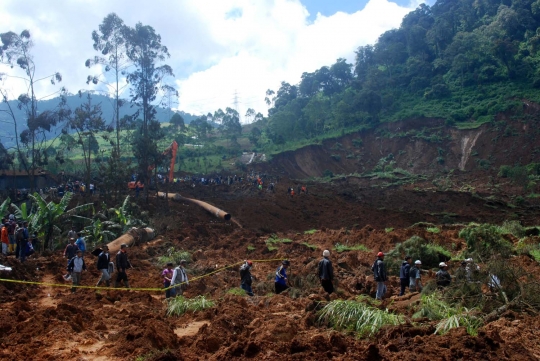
286	262
380	254
326	253
249	263
182	261
11	217
442	264
417	262
469	260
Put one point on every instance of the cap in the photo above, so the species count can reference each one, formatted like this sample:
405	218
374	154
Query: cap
380	254
11	217
417	262
182	261
326	253
469	260
442	264
249	263
123	245
286	262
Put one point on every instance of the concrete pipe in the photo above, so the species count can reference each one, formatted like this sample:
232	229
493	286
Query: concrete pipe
132	237
208	207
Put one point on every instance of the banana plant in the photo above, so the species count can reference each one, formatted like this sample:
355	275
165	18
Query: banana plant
47	216
100	232
5	206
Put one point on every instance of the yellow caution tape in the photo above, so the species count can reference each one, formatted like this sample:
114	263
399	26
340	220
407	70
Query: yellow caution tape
132	289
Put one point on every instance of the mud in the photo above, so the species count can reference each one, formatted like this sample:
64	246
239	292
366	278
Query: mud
50	323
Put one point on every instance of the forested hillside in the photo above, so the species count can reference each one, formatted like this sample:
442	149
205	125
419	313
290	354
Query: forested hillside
460	60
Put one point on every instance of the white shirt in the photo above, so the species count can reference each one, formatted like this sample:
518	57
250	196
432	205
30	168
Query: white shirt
179	276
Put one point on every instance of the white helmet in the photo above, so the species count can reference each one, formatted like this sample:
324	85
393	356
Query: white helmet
417	262
442	264
326	253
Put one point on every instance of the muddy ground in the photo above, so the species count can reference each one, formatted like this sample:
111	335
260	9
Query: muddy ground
50	323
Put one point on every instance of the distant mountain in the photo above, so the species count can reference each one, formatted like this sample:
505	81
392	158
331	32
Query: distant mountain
74	101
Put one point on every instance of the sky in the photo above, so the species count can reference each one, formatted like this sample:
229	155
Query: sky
224	53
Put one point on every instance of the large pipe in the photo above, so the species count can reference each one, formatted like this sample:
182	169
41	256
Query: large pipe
132	237
208	207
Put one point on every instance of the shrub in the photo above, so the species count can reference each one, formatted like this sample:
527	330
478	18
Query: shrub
250	248
388	230
342	248
174	256
357	316
311	231
433	229
417	248
236	291
336	157
328	173
358	142
310	246
179	305
485	240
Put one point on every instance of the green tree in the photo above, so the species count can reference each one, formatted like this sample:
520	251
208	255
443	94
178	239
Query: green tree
110	41
86	122
32	147
145	51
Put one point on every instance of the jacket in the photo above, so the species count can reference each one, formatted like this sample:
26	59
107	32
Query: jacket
122	262
281	275
326	271
179	276
5	238
245	275
103	261
405	270
70	251
76	264
379	271
443	278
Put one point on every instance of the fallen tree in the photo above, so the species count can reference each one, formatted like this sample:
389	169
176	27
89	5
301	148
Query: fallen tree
208	207
132	237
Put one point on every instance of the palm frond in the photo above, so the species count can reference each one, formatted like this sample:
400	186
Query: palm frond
4	206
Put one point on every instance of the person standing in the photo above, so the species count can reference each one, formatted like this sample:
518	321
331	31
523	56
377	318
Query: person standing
416	277
280	283
122	264
75	266
245	277
179	279
72	233
103	266
81	243
69	253
11	234
442	276
5	238
326	272
404	274
379	273
167	275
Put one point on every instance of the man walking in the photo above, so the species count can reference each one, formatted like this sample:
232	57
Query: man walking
167	275
326	272
404	274
103	266
5	238
379	273
416	277
75	266
122	264
281	280
81	243
442	276
245	277
179	279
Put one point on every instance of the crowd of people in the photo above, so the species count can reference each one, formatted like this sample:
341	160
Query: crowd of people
16	239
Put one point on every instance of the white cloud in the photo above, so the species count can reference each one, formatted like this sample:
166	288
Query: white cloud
217	47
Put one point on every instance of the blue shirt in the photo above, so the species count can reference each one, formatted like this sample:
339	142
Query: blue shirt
81	244
281	274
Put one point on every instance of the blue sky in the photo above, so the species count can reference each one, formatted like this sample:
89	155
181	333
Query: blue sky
330	7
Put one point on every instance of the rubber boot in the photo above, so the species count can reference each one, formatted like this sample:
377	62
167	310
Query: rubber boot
126	283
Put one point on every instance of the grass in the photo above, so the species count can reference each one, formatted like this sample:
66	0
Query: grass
439	249
237	291
180	305
450	317
250	248
535	253
357	316
433	230
311	231
358	247
271	243
174	256
310	246
388	230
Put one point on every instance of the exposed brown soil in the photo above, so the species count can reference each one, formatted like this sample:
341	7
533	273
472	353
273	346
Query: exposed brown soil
50	323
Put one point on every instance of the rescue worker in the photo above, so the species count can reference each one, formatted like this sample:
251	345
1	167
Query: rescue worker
416	277
326	272
442	276
75	266
404	274
245	277
281	280
122	264
379	273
